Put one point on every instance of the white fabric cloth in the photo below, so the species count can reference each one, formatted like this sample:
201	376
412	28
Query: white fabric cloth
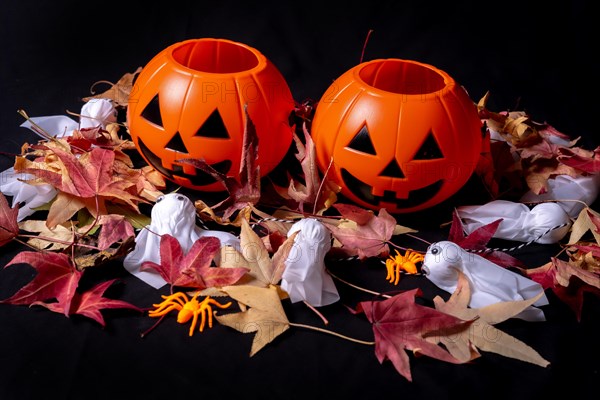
31	196
518	221
305	277
563	187
490	283
54	125
173	214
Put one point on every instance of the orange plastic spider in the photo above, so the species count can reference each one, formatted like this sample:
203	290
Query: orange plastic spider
187	309
404	262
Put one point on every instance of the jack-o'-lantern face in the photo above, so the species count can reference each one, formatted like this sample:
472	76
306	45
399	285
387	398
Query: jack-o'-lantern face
400	135
188	102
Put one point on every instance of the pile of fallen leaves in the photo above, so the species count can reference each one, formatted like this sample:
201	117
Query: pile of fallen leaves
525	153
96	210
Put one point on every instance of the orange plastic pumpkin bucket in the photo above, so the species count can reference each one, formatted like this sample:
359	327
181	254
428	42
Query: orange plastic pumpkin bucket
399	135
188	102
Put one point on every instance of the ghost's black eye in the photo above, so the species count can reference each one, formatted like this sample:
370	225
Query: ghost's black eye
159	199
435	250
180	198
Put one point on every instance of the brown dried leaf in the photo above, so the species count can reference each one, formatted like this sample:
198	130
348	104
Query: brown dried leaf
119	92
538	173
480	331
98	258
57	238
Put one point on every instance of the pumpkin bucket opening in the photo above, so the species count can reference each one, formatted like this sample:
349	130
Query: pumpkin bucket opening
215	56
402	77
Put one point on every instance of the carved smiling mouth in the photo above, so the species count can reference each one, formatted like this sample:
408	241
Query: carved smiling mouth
365	192
200	178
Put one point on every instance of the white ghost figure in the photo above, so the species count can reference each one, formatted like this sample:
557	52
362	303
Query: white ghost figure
173	214
490	283
518	221
304	277
97	112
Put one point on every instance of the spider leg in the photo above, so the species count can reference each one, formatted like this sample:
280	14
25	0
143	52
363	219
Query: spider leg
163	310
397	274
194	320
203	322
176	297
389	265
210	315
180	297
216	303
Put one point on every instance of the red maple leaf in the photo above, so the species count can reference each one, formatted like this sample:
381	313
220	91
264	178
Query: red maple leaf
114	228
245	189
85	181
581	159
568	282
9	228
90	303
478	240
574	295
401	324
194	268
56	278
544	275
370	235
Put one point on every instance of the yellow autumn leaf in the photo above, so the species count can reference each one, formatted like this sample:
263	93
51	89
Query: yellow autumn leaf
264	269
583	224
263	316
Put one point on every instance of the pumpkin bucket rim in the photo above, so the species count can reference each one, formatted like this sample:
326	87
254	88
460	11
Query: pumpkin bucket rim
404	77
191	55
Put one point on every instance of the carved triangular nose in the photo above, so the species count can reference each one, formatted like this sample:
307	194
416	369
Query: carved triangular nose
176	144
392	170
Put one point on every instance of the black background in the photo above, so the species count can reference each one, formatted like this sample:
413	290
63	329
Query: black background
529	57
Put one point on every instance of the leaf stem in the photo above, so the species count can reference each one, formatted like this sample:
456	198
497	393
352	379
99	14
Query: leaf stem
38	129
147	331
25	244
96	218
321	186
319	314
362	55
54	240
314	328
358	287
418	238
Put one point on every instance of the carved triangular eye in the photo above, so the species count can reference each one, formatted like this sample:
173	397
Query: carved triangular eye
176	144
429	149
362	142
213	127
392	170
152	112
